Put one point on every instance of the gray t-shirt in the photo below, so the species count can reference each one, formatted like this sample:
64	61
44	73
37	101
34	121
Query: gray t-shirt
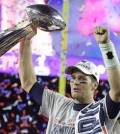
59	110
93	119
65	118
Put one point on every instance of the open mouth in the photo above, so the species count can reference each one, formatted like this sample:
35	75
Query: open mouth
76	89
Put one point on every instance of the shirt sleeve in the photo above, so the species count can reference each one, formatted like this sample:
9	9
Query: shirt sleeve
50	102
36	93
53	102
113	108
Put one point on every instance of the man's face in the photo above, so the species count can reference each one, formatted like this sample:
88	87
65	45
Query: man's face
82	87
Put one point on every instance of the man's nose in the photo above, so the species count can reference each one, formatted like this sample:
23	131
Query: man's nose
76	81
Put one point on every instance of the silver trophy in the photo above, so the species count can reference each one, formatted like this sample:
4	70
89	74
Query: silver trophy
44	17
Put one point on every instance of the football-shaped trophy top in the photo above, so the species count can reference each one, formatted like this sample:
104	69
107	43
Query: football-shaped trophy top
45	17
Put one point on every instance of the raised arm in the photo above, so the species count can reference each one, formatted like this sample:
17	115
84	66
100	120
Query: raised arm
26	68
102	36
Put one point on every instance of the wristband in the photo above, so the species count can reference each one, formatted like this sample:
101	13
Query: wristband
109	54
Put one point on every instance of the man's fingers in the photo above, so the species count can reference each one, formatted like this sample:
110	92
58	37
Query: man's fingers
100	29
33	33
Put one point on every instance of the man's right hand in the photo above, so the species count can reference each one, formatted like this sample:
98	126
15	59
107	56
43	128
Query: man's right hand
33	31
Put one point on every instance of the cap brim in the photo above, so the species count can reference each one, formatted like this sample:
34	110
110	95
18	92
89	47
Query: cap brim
70	69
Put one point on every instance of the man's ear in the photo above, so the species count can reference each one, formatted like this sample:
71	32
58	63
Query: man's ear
95	85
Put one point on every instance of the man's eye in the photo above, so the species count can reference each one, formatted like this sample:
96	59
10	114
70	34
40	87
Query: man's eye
84	79
81	79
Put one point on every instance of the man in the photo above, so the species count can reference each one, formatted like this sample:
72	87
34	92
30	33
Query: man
92	117
101	117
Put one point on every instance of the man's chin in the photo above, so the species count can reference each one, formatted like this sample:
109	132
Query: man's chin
76	96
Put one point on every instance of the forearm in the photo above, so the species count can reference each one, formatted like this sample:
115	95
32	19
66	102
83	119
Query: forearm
114	81
113	69
26	68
